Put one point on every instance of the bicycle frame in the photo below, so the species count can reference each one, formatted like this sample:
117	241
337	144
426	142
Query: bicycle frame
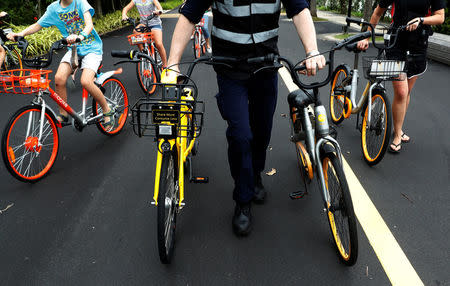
79	117
183	151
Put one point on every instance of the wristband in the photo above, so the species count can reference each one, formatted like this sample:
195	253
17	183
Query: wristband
312	53
421	20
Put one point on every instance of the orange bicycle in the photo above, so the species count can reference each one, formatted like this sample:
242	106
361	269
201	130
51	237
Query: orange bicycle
147	73
30	139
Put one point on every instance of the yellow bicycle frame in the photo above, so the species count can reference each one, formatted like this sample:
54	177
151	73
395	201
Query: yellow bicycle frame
182	148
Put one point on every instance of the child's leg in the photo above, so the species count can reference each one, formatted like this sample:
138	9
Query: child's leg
157	36
2	56
61	76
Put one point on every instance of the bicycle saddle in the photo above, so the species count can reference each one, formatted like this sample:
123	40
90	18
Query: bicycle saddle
301	98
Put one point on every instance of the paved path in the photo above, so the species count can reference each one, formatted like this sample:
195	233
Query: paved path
90	222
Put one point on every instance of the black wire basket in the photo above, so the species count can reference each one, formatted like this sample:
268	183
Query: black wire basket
376	68
161	114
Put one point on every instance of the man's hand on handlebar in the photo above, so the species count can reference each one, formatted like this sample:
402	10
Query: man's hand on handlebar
363	45
313	61
125	18
13	36
157	12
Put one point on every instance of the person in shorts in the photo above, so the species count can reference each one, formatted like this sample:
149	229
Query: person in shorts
411	46
149	11
73	18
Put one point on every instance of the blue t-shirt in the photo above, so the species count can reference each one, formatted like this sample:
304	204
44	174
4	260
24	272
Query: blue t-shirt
70	20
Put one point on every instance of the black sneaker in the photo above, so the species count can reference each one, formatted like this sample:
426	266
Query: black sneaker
242	219
260	192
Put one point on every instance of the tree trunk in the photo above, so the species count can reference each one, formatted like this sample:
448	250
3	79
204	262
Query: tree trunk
368	9
98	8
39	10
313	8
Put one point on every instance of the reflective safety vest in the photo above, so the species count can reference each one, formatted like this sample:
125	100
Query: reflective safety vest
245	28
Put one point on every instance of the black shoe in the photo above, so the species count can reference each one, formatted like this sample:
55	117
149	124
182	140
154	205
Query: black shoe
242	219
260	193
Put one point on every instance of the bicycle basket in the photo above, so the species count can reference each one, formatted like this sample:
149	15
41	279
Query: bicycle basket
383	69
24	81
140	38
171	112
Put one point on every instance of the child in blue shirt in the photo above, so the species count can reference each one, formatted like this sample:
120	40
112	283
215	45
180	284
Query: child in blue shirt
73	18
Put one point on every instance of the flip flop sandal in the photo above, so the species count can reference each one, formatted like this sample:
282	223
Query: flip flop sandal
405	140
110	124
392	150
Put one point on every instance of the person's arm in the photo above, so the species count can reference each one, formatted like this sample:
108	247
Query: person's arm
305	28
27	31
88	27
437	18
180	39
374	19
158	6
126	9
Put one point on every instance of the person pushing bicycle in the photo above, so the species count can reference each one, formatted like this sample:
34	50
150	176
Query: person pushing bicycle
246	100
73	18
149	11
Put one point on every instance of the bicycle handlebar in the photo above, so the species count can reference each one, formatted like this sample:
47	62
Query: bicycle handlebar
41	61
394	34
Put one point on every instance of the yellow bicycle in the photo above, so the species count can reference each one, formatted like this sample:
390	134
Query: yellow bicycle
174	116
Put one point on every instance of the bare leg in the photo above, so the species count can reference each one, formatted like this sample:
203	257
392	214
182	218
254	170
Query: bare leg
2	56
87	82
157	36
61	76
411	83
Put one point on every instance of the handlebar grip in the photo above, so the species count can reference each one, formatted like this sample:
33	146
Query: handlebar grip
353	39
123	54
350	20
64	41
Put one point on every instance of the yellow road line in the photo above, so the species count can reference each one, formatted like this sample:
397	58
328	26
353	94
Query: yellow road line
391	256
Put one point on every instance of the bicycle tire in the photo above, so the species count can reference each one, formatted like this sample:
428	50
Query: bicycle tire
167	206
375	138
197	45
116	95
337	102
39	164
340	213
147	75
13	61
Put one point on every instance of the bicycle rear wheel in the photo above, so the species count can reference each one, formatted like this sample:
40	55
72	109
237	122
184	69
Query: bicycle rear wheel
376	137
26	157
341	216
338	105
147	75
197	45
116	96
167	205
13	61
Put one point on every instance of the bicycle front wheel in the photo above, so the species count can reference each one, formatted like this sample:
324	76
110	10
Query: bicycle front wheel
375	136
117	98
167	205
337	94
147	75
341	215
27	155
13	61
197	45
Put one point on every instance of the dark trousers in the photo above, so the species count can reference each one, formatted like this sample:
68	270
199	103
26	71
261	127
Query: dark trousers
248	107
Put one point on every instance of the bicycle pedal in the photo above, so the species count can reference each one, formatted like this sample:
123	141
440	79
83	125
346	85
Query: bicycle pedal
199	180
297	195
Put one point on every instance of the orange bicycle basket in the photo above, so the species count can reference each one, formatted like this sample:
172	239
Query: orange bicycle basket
140	38
29	81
